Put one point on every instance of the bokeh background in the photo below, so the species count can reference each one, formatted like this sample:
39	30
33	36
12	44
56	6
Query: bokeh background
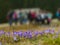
5	5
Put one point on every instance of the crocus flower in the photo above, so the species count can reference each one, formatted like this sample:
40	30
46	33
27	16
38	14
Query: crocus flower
20	33
47	31
36	33
27	34
41	33
52	31
15	33
2	32
15	38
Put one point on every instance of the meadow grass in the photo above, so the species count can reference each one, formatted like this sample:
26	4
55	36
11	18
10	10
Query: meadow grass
41	40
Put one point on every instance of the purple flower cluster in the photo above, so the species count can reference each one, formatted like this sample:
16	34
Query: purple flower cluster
2	32
28	34
49	31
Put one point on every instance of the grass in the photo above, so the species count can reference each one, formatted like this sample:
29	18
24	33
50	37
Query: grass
39	41
28	27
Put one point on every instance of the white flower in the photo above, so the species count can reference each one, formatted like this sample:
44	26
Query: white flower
15	38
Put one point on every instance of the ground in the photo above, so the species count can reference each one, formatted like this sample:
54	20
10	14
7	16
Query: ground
55	25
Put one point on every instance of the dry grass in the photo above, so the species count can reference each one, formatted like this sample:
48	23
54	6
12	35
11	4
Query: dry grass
30	27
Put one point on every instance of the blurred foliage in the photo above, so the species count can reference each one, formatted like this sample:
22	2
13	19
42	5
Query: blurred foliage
5	5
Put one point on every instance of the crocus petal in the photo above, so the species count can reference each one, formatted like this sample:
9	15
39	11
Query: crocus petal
20	34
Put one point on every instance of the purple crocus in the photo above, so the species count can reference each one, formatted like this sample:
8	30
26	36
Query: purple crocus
24	34
47	31
28	34
52	31
2	32
41	33
20	33
15	33
15	38
36	33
